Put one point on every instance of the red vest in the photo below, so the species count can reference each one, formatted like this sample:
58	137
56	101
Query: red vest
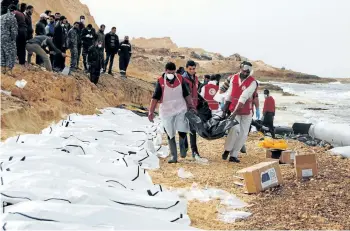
193	89
177	82
237	91
210	91
269	105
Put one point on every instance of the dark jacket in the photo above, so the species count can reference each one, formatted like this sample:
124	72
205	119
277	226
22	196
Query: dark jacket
101	37
43	41
112	43
88	37
60	37
80	31
21	20
6	3
124	49
40	27
29	22
95	58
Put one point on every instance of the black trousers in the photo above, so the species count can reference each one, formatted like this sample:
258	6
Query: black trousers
79	53
21	42
85	53
95	72
59	60
268	122
124	62
110	60
193	141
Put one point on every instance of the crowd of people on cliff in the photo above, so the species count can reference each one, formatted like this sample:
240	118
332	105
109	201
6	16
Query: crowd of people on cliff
52	36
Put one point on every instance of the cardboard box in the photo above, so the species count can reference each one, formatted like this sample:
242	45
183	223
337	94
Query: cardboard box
287	157
284	156
305	165
261	176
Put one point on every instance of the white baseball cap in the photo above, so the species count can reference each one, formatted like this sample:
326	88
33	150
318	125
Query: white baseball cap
43	15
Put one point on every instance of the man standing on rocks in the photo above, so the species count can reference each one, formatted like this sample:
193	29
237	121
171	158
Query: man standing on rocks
239	101
28	14
101	38
22	34
175	99
87	38
192	80
124	55
269	112
9	31
73	36
95	61
112	46
60	39
81	28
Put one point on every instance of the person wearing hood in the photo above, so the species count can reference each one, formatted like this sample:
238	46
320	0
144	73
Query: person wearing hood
80	41
124	55
95	61
192	80
41	25
61	42
88	36
175	100
9	31
28	14
112	47
269	112
22	34
73	36
239	101
208	92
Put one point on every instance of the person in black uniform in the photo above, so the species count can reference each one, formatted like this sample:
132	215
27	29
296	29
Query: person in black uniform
124	55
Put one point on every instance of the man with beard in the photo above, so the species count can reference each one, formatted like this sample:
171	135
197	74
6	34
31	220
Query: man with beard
239	101
28	14
22	34
80	30
60	41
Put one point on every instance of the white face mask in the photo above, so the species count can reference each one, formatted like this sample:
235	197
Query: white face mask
89	30
170	76
265	96
82	20
100	45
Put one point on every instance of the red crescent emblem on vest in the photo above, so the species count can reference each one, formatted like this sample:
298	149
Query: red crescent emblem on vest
212	91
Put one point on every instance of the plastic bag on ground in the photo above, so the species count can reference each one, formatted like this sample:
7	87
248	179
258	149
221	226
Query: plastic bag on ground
228	216
342	151
183	174
21	83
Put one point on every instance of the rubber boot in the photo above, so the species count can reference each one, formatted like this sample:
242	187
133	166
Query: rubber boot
173	151
183	148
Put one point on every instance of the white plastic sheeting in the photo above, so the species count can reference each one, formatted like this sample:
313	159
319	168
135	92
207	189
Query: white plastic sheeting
336	134
341	151
227	211
88	172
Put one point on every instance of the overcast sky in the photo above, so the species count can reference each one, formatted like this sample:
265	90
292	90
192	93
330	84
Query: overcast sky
311	36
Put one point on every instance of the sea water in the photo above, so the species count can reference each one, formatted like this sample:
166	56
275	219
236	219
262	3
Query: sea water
331	101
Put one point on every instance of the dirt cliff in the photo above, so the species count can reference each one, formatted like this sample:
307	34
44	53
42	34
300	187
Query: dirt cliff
72	9
50	97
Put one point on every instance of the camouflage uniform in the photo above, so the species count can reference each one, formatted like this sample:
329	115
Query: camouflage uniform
9	31
73	36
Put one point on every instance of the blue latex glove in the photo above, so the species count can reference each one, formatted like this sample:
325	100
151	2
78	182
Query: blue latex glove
222	105
257	113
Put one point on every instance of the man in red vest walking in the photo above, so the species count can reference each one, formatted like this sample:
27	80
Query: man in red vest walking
208	92
174	97
269	112
239	101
